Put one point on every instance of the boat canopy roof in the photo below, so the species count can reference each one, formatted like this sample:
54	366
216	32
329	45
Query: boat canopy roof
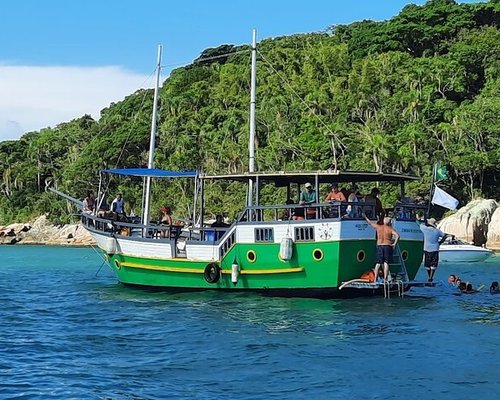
283	178
151	172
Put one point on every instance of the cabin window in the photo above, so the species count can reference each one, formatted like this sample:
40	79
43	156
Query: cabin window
264	235
304	234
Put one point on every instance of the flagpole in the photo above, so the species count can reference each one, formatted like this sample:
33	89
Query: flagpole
431	188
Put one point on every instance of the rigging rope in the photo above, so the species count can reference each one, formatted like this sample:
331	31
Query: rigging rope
134	121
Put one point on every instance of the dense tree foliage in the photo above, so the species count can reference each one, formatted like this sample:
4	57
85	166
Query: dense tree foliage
391	96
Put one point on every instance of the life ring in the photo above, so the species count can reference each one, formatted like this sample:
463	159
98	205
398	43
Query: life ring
212	273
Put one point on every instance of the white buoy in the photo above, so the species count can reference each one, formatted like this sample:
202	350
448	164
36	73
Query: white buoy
286	248
235	272
109	245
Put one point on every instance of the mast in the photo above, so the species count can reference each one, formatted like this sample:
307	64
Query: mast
251	144
152	140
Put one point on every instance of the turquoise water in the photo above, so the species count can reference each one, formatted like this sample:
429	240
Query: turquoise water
66	333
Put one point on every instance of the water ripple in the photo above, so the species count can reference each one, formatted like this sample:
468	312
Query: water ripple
65	334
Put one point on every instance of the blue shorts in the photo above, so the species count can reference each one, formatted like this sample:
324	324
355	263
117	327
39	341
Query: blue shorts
384	254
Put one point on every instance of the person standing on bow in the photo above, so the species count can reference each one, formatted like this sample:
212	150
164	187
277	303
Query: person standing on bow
433	237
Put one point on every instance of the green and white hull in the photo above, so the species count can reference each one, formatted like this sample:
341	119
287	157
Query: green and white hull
325	253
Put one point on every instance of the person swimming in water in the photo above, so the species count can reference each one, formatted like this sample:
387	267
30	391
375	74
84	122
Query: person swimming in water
494	289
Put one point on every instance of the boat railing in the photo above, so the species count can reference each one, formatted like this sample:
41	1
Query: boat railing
298	212
329	211
207	234
273	213
407	211
130	227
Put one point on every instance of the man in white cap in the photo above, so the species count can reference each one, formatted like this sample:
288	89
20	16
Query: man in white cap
433	237
308	197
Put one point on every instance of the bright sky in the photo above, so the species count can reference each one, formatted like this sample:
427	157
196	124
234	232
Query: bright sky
61	59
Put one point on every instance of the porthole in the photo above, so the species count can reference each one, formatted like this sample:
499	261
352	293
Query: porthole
404	255
251	256
317	254
117	264
361	256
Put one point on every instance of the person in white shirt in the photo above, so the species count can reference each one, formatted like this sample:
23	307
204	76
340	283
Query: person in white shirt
433	237
118	206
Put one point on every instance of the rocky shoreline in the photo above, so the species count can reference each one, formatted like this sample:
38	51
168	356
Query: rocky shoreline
477	222
42	232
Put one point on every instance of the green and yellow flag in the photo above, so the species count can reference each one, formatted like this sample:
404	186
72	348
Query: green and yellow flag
441	172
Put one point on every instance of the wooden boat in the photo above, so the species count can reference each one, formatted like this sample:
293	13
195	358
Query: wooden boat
261	250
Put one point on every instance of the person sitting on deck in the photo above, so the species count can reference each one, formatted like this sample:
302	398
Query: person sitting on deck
352	210
103	208
308	197
88	203
118	207
385	244
287	212
219	222
335	195
298	214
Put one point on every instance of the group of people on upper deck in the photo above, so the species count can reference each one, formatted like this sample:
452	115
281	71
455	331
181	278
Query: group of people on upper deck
337	195
103	210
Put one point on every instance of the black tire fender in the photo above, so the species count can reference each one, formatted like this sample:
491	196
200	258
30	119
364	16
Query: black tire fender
212	273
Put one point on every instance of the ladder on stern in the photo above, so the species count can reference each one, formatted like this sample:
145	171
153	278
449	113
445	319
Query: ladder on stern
399	275
397	284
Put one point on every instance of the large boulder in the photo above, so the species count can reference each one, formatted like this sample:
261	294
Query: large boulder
494	231
471	222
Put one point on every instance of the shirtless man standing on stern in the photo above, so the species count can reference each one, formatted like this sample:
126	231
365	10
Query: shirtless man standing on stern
387	238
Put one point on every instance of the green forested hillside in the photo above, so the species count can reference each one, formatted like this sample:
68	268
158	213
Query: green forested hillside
383	96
